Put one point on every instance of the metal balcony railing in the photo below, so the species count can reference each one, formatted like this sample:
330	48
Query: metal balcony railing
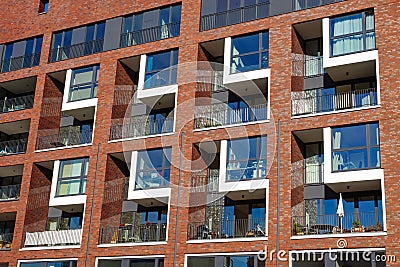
227	229
210	81
332	224
317	101
150	34
76	50
16	103
221	114
150	232
201	182
8	192
6	240
68	136
234	16
53	238
13	147
314	173
16	63
304	4
141	126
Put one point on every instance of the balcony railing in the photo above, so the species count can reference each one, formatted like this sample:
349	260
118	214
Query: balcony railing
210	81
151	232
304	4
332	224
227	229
202	182
16	103
16	63
314	173
235	16
318	101
53	238
76	50
6	241
141	126
150	34
221	114
68	136
8	192
13	147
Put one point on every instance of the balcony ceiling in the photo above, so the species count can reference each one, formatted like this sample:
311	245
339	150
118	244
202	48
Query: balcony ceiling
246	195
15	127
356	186
11	170
352	71
310	136
20	86
310	29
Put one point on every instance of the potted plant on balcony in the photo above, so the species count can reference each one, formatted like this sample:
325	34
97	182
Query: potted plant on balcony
357	226
298	230
374	228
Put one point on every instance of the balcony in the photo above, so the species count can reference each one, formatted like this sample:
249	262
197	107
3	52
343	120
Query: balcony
141	126
221	114
16	63
332	224
9	192
326	100
68	136
150	34
16	103
235	16
12	147
53	238
232	228
77	50
149	232
314	173
6	240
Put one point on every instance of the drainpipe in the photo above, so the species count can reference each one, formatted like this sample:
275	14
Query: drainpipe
278	193
178	200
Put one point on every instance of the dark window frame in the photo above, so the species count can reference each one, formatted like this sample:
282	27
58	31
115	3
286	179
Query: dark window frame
260	51
368	147
164	167
363	32
82	177
93	84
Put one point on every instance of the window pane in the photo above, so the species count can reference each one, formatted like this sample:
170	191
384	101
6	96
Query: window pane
374	134
369	21
69	187
201	262
348	137
164	16
158	61
176	14
71	169
101	27
349	160
265	40
127	25
239	261
245	44
82	76
245	63
38	45
347	24
375	158
142	263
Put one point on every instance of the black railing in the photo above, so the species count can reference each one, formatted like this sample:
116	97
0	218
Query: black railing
234	16
141	126
333	224
221	114
150	232
76	50
13	147
16	103
304	4
8	192
150	34
317	101
6	241
16	63
227	229
68	136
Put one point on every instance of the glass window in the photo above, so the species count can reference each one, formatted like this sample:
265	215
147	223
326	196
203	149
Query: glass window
352	33
250	52
247	158
84	83
355	147
161	69
153	168
72	177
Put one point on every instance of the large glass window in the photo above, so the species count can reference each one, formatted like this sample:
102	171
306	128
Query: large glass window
132	263
151	26
352	33
247	158
72	177
84	83
161	69
355	147
49	264
153	168
226	261
250	52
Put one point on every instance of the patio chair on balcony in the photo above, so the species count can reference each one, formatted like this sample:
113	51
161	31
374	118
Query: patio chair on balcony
202	231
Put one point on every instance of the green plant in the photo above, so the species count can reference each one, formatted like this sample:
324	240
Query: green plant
356	224
297	228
